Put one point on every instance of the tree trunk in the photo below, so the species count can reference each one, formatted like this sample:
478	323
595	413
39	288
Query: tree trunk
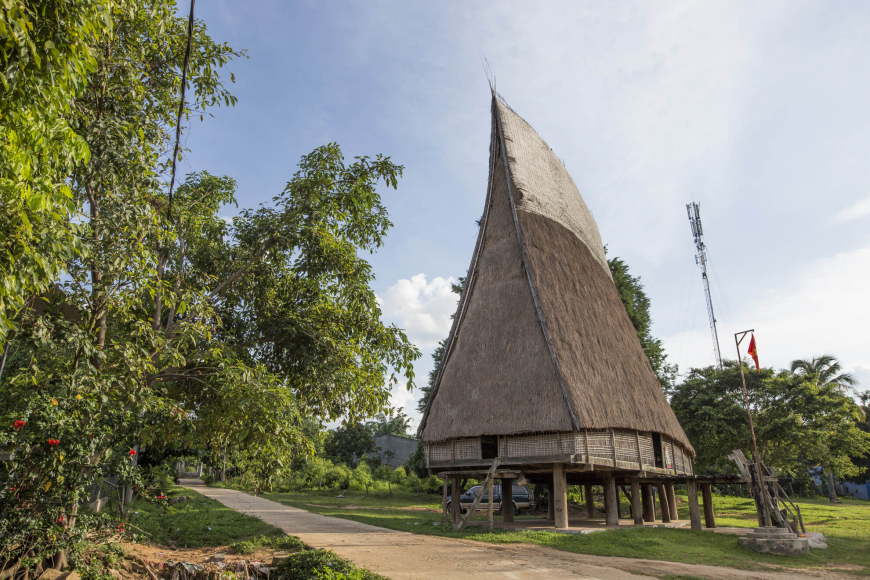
832	487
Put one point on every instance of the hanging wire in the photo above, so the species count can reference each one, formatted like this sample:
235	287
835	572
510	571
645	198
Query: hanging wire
181	103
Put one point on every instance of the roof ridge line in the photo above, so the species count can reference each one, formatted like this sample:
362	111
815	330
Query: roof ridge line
538	310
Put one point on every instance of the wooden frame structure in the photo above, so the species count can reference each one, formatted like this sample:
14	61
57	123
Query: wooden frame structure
645	487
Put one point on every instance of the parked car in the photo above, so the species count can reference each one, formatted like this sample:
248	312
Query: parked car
523	499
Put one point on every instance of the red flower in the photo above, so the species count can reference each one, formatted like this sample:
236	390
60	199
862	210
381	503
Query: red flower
60	519
53	442
161	497
132	452
19	424
11	488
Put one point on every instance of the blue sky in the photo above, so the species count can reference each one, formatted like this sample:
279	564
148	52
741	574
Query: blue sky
756	110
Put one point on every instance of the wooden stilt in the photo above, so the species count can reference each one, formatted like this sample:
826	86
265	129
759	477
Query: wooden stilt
672	501
611	500
663	502
454	501
694	509
444	503
491	503
649	502
507	500
707	493
636	509
560	496
590	501
551	503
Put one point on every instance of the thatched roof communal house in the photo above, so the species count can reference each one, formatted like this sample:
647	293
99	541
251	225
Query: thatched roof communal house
543	369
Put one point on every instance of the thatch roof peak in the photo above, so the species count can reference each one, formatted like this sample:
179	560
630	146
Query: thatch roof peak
541	340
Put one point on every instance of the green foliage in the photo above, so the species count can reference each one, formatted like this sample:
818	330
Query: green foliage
862	461
414	464
799	422
637	305
321	564
348	444
827	368
176	328
390	423
47	50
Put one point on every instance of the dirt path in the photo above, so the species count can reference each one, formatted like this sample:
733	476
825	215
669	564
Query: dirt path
404	556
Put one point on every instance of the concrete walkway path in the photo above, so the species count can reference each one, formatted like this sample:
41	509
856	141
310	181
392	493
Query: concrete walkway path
404	556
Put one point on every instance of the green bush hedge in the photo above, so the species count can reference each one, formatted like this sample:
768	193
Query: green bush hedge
321	565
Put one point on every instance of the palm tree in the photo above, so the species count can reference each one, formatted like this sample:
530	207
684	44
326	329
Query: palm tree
827	368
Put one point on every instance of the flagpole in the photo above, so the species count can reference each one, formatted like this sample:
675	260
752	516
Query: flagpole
759	474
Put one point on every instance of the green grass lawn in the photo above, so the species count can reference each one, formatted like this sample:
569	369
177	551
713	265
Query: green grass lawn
196	522
846	526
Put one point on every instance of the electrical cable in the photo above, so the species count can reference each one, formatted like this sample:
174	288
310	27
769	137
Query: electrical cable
181	103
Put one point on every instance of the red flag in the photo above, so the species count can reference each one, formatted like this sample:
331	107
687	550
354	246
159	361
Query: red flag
753	352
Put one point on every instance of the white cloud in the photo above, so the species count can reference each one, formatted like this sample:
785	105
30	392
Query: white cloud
854	212
421	308
823	311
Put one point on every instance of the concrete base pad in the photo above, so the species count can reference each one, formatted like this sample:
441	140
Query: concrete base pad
774	540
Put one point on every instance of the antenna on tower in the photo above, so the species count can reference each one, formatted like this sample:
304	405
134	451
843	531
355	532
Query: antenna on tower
694	211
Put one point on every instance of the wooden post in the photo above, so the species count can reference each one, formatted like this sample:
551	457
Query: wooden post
636	509
649	503
455	501
694	510
611	500
551	502
707	493
507	500
663	502
672	501
590	501
444	503
560	496
491	503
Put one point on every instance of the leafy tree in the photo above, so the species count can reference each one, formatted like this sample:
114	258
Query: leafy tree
863	460
827	368
637	305
399	477
47	50
349	444
390	423
384	473
171	324
799	422
414	463
362	475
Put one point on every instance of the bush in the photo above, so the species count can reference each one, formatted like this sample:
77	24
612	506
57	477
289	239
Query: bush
320	565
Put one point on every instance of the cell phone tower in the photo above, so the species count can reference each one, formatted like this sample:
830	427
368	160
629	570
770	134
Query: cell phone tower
694	211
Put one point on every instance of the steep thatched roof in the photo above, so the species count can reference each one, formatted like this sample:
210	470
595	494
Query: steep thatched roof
541	340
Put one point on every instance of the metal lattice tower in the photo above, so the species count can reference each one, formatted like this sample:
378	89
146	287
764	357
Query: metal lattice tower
694	211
